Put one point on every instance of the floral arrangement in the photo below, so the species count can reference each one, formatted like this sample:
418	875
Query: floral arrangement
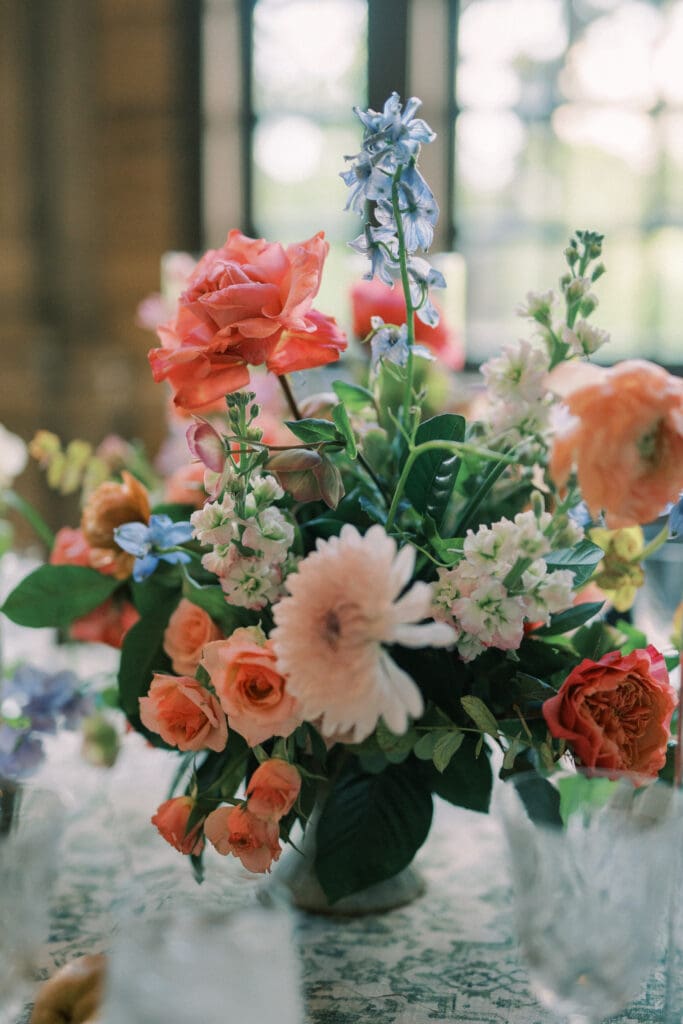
366	608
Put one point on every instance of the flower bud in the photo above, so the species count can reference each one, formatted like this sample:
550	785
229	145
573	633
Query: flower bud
100	745
296	471
206	444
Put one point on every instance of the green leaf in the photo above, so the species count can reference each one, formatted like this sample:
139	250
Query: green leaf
595	640
143	652
636	639
424	748
467	780
55	595
581	560
578	791
540	798
480	715
395	748
353	396
371	828
432	478
212	600
445	749
178	512
572	618
343	423
312	431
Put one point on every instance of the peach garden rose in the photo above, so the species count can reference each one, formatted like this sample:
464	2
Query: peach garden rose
254	842
184	713
273	789
252	692
171	819
189	629
615	713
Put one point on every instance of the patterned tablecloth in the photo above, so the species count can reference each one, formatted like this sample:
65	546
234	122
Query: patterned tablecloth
449	956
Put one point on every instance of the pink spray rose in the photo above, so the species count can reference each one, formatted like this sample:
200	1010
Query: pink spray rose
273	789
239	832
171	820
184	714
615	713
252	692
189	629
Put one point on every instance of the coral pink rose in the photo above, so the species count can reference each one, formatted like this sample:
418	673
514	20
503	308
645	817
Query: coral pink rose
106	624
252	692
189	629
616	713
184	714
239	832
70	548
374	298
172	818
186	486
246	304
626	441
111	620
273	789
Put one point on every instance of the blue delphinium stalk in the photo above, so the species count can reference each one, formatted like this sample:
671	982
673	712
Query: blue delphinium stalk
153	542
385	172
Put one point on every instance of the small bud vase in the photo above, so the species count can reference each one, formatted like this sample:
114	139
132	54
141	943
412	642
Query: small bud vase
296	872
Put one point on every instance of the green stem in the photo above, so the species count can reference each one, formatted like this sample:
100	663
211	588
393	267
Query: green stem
291	400
30	514
373	476
655	544
410	310
456	447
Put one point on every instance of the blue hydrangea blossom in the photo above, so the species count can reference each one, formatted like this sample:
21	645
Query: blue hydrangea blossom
153	542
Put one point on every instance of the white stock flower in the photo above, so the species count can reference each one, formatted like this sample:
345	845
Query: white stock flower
518	375
215	523
585	338
13	456
270	533
251	583
537	305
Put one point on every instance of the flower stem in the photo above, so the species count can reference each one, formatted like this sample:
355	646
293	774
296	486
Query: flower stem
410	311
30	514
456	447
291	401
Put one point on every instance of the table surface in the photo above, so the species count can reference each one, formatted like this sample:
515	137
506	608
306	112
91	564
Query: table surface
449	956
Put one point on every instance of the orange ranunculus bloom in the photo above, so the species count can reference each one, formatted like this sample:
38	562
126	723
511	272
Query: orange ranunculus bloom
111	505
239	832
616	713
172	818
374	298
626	441
252	692
273	789
246	304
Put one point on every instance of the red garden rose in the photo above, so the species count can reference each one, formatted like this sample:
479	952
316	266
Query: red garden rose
374	298
246	304
615	713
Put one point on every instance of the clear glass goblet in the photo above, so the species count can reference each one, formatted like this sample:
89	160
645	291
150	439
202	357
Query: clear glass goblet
590	860
202	963
31	825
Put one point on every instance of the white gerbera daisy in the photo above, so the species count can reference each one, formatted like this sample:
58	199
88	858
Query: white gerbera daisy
345	604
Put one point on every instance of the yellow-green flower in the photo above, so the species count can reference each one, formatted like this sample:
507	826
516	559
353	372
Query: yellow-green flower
620	573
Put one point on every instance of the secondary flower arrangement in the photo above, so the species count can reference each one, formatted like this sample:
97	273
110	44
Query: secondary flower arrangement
362	610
